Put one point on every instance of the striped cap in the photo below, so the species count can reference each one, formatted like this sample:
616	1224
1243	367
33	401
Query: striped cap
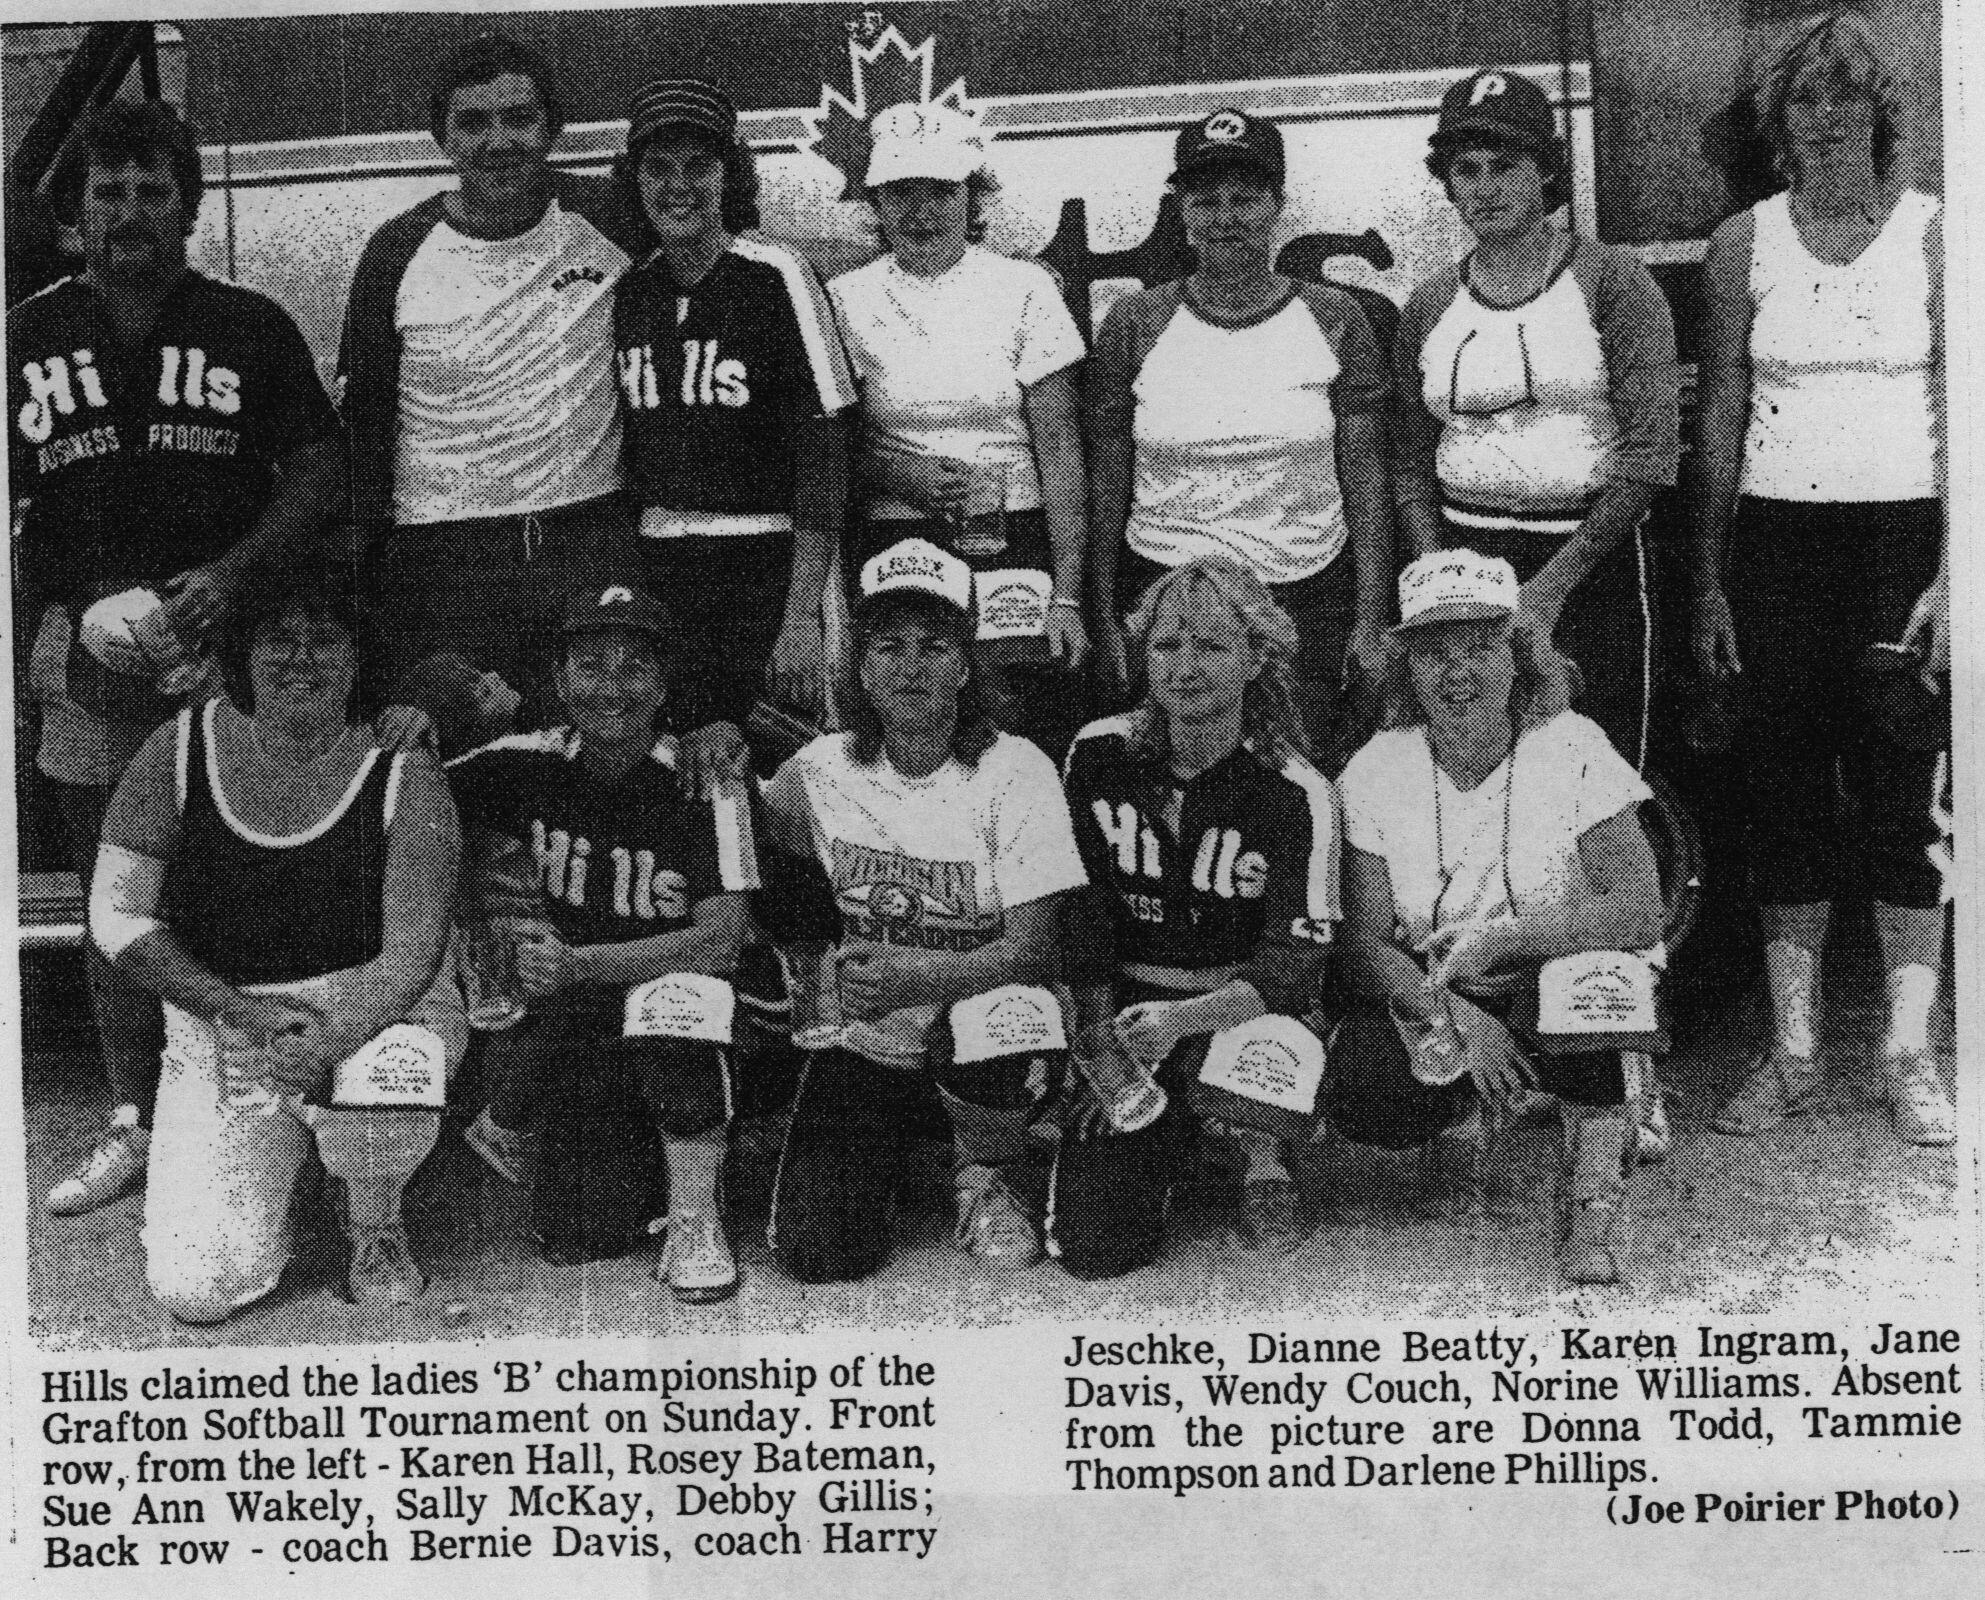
680	103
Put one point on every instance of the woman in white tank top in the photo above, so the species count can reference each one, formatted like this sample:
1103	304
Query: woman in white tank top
1819	542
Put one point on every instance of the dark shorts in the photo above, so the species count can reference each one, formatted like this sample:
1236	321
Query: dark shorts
728	598
492	589
1812	587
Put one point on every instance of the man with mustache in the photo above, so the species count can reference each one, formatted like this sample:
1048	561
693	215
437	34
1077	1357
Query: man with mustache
168	432
478	382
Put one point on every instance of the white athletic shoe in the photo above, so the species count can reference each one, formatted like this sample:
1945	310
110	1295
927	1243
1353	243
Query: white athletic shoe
698	1263
1922	1107
112	1170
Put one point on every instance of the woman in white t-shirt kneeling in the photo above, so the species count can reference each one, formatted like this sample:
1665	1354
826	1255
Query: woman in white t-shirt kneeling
966	360
1481	843
945	845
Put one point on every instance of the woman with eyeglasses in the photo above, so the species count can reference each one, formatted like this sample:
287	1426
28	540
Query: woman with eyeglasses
1537	398
1822	512
1484	836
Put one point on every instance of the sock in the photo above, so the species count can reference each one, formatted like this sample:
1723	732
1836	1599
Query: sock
1912	993
374	1153
1794	974
694	1167
986	1136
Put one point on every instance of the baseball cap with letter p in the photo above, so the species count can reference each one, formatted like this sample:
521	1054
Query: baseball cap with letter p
1498	107
616	603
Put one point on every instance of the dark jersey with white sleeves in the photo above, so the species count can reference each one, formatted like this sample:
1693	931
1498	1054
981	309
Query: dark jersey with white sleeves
717	379
1249	880
617	860
140	464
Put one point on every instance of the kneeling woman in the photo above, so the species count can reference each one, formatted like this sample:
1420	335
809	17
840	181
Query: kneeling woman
1211	844
638	882
284	885
946	844
1483	842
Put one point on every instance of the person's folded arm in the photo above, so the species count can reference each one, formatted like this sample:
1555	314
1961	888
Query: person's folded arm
880	978
710	946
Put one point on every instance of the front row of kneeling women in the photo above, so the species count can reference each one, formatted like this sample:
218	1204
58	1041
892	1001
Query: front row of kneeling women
960	928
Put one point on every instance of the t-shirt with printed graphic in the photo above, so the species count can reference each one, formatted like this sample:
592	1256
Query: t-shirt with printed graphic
1249	880
934	863
1459	854
717	379
617	860
506	397
944	362
138	464
1235	424
1535	408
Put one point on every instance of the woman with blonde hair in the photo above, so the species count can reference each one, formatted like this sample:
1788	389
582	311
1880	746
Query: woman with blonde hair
1211	847
1819	531
1486	833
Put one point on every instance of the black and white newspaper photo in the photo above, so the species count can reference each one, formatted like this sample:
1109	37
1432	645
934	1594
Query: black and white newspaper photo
997	797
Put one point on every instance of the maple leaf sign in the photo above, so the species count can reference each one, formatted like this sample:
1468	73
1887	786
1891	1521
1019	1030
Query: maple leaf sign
884	70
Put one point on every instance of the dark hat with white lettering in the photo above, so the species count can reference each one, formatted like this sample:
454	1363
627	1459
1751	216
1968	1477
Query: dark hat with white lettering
1498	107
1229	138
680	103
617	603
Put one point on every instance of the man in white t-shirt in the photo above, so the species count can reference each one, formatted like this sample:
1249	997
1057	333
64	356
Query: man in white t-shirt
477	380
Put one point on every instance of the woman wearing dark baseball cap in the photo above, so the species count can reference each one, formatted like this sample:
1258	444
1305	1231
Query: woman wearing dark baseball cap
733	389
1240	414
1537	386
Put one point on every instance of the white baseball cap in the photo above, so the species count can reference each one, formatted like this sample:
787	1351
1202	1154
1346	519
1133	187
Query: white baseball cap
1456	586
916	566
924	141
108	630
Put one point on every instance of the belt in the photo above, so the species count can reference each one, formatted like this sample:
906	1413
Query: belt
659	522
1191	980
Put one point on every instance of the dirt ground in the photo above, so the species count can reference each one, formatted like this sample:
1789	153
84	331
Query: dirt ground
1829	1205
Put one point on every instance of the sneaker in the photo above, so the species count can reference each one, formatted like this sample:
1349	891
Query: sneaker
511	1156
1922	1107
1272	1216
383	1270
992	1222
1776	1087
114	1168
697	1264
